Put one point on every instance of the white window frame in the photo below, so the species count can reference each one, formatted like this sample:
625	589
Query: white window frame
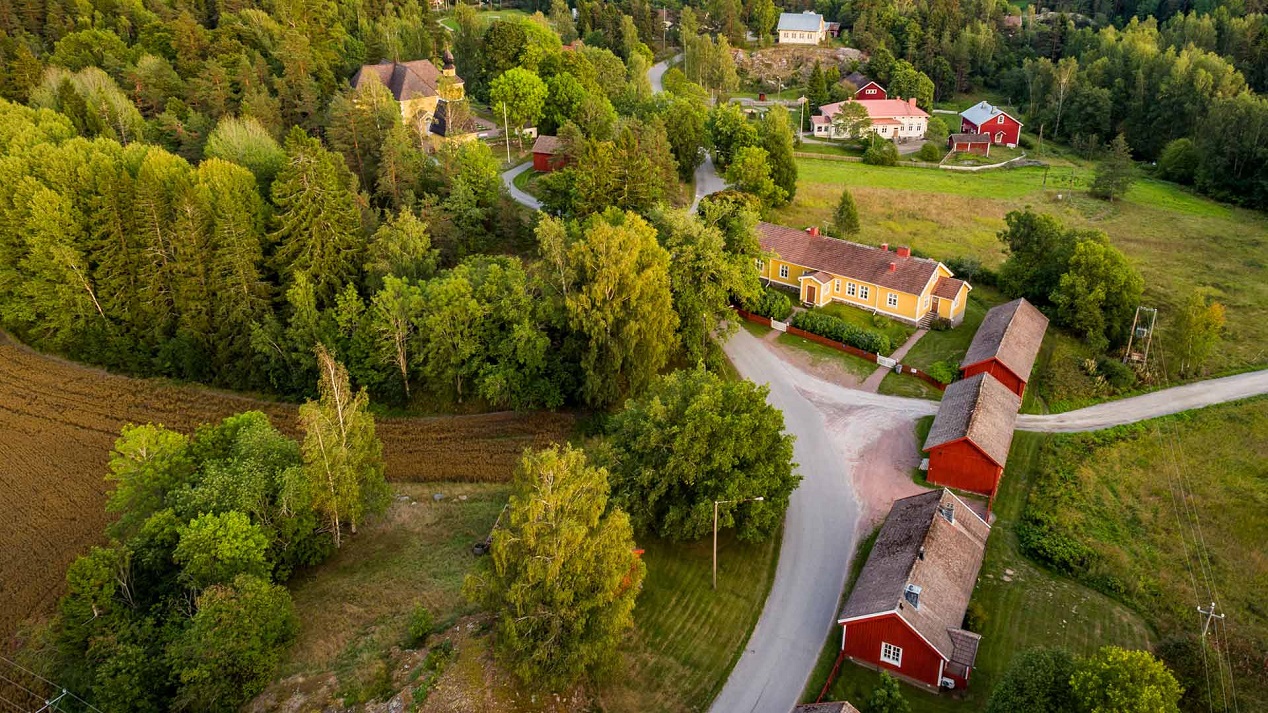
850	289
783	272
891	299
864	292
892	655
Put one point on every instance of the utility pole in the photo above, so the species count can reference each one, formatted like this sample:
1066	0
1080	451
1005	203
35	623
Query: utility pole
716	503
1210	614
506	130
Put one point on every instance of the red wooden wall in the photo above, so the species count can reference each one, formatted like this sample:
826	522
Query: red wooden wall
863	641
959	464
1000	372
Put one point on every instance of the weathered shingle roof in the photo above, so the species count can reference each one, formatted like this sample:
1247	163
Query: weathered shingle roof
983	112
1011	333
406	80
980	409
849	260
918	546
947	287
800	21
546	144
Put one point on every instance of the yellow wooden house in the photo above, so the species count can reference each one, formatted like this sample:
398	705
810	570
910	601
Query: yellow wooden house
894	283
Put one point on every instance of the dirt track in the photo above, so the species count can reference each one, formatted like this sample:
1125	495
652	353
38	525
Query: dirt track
58	421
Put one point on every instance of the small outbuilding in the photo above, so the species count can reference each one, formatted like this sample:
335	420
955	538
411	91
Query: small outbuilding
969	441
970	143
545	154
1006	344
905	613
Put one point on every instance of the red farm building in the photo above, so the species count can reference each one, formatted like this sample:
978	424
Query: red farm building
905	613
545	154
986	119
970	437
1006	344
970	143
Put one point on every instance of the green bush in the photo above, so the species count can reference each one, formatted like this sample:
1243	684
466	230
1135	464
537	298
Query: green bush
944	372
1116	373
420	625
825	325
881	153
930	152
772	303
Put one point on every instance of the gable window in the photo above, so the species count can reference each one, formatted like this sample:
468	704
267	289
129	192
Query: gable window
849	289
891	654
783	271
864	290
892	300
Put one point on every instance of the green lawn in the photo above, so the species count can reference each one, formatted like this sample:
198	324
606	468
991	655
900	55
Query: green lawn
897	332
688	636
857	366
948	346
1117	494
1177	240
1032	607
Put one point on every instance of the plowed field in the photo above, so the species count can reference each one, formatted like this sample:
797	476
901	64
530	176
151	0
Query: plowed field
58	421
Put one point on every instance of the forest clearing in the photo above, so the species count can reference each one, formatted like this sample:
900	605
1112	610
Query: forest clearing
72	414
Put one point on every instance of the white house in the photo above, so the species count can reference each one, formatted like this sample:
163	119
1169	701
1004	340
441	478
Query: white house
801	28
895	119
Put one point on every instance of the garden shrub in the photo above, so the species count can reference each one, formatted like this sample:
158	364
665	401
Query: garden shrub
825	325
930	152
772	303
944	372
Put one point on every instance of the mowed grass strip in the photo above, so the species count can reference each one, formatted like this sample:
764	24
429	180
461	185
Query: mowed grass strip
688	636
1025	606
1177	240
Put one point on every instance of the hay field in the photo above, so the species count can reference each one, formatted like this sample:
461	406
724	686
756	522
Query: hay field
58	421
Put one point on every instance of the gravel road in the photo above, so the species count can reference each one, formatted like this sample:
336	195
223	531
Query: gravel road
1152	405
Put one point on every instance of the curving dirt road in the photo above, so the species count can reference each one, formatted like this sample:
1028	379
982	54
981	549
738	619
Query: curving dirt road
1151	405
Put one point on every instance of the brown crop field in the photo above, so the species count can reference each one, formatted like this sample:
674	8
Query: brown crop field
59	420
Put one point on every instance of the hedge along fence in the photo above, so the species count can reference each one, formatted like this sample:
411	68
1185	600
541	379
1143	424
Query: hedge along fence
841	346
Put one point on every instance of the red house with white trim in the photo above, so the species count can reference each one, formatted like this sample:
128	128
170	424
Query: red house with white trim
1006	344
871	90
906	611
970	438
986	119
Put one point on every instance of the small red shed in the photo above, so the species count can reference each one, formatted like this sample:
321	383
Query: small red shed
906	611
1006	344
545	159
982	118
969	441
970	143
871	91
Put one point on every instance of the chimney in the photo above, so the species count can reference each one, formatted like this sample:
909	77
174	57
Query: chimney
893	267
904	251
884	247
813	230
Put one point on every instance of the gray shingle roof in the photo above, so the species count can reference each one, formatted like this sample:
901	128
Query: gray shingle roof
800	21
980	409
917	545
1012	333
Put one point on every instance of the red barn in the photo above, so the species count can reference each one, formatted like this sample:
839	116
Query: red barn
870	91
970	143
1006	344
969	441
545	149
905	613
986	119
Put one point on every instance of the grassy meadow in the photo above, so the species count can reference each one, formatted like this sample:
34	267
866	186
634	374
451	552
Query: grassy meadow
1176	239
